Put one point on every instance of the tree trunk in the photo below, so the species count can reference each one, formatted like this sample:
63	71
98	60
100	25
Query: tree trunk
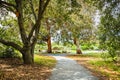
78	50
49	45
32	52
27	55
49	38
74	41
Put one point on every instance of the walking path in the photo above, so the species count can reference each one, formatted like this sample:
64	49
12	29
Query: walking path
68	69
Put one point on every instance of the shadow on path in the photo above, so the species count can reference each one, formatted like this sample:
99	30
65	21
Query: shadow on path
68	69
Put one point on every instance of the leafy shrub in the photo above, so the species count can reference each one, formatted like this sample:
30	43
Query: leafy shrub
105	56
2	48
113	56
63	51
84	47
9	53
73	47
56	48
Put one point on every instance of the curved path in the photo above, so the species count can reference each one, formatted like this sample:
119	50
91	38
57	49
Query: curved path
68	69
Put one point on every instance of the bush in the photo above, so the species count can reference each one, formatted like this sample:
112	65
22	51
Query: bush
84	47
9	53
56	48
111	56
73	47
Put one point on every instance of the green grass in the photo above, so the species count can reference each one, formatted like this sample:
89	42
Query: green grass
45	61
112	69
108	63
105	64
96	55
109	66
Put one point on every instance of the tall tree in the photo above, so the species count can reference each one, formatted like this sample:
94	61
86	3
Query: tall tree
28	38
109	27
75	19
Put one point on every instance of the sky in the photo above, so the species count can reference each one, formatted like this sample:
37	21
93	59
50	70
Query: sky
97	18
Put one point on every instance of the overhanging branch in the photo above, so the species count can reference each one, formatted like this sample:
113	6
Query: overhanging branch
38	20
21	21
7	4
42	8
8	8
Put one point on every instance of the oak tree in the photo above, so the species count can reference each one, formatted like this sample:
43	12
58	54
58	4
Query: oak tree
25	11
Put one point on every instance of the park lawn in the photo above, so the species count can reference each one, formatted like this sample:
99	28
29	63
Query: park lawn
46	61
105	70
13	69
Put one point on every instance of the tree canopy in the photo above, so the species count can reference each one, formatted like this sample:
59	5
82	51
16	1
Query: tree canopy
109	27
25	11
68	21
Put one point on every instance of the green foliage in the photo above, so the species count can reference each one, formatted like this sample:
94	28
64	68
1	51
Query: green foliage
96	55
109	28
87	47
2	48
73	47
9	53
109	64
71	18
107	56
58	49
9	31
110	35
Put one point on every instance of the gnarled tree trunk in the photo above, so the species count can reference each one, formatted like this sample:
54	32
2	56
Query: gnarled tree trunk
27	57
28	40
28	54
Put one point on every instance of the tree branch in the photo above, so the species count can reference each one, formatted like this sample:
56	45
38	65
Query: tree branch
8	43
20	21
7	4
32	8
36	27
38	20
45	5
8	8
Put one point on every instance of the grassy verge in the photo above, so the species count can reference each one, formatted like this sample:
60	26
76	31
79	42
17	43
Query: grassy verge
106	70
46	61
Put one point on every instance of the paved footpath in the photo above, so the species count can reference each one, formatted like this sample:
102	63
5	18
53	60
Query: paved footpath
68	69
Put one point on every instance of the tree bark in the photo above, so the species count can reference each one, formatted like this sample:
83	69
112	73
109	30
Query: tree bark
27	56
49	38
49	45
78	50
32	52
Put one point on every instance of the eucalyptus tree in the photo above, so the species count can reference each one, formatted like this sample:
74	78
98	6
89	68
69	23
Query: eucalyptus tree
49	24
28	17
83	24
109	27
75	21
